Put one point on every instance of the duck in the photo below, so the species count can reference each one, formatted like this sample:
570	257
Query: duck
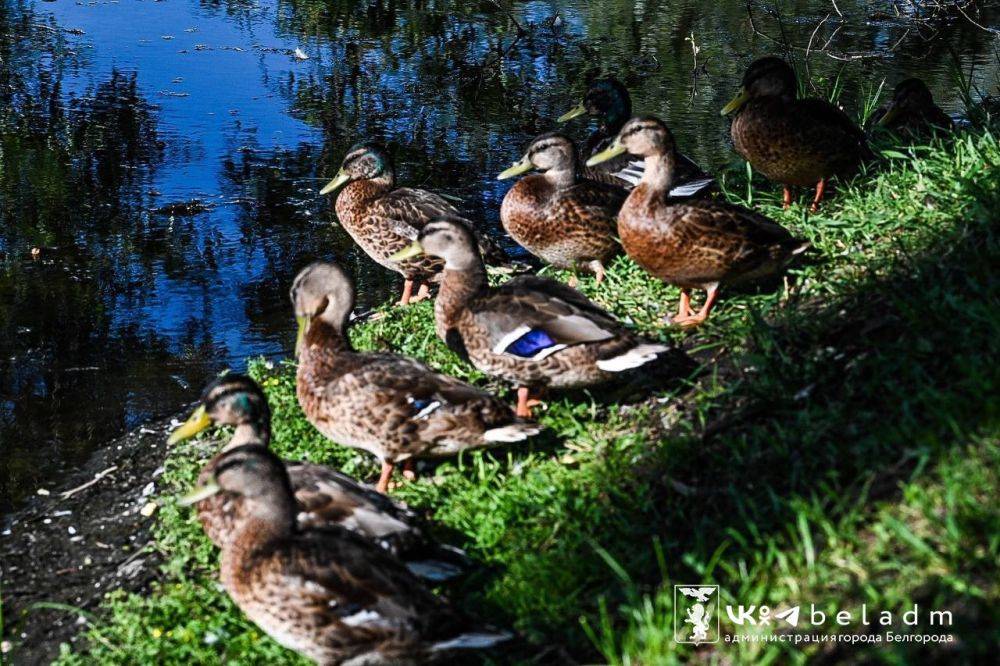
697	244
609	102
323	496
383	218
558	216
325	592
912	111
795	142
531	331
391	406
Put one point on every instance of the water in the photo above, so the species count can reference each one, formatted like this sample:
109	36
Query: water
165	157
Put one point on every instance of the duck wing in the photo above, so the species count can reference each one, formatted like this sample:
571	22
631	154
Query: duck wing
532	317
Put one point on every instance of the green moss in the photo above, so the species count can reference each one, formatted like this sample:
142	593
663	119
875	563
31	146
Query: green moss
837	446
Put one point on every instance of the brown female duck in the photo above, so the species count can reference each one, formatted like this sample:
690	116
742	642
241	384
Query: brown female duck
608	101
697	244
531	331
383	218
323	496
394	407
796	142
558	216
325	593
912	111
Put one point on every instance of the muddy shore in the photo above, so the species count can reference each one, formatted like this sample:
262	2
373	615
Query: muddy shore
64	550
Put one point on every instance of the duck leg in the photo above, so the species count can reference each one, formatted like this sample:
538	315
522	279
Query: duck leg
820	188
787	199
383	480
423	293
706	309
598	268
525	402
407	291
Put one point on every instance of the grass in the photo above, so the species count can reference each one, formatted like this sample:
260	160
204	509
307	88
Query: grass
837	446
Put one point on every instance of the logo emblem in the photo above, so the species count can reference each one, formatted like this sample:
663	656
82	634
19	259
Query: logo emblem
696	614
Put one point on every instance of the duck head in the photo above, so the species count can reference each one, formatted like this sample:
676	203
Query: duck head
364	161
765	77
232	400
607	100
447	239
325	291
551	152
909	95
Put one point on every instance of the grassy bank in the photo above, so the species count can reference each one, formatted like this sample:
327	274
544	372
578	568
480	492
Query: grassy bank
837	445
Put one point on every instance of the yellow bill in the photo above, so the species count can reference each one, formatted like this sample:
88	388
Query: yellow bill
575	112
408	252
614	150
197	422
335	184
735	103
303	323
199	493
516	169
889	115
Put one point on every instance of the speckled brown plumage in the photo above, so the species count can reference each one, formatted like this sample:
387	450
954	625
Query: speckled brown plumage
559	217
394	407
325	593
324	497
796	142
584	345
699	244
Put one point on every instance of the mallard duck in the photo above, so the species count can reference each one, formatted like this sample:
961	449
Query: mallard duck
558	216
383	218
392	406
531	331
697	244
323	496
325	593
609	102
796	142
912	111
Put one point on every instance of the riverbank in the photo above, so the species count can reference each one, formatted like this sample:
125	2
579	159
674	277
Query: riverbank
836	445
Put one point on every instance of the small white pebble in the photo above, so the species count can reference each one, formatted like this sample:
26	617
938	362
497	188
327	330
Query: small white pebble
47	521
71	529
43	492
148	510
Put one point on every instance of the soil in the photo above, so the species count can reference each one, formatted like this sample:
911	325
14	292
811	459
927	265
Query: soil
71	546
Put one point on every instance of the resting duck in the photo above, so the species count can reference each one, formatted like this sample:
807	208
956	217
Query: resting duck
609	102
325	593
558	216
392	406
531	331
697	244
323	496
795	142
383	218
912	111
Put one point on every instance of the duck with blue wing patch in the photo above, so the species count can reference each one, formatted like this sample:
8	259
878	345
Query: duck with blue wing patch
326	593
531	331
392	406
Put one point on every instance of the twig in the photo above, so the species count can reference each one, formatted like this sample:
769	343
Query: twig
97	477
978	25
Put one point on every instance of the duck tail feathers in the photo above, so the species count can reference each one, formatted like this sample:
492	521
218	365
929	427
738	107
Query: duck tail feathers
635	357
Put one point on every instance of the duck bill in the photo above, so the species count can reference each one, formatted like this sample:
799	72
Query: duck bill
408	252
197	422
575	112
889	115
300	336
516	169
614	150
200	493
336	183
736	102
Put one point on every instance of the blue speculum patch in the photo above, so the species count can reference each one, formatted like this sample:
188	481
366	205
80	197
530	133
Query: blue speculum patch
531	343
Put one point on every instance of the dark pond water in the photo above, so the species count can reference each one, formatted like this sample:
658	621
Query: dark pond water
164	156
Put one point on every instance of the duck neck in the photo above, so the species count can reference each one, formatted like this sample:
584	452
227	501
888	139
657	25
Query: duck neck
257	433
328	335
268	521
563	177
459	284
658	176
361	191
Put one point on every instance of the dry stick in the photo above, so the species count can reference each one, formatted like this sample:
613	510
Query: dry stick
808	48
97	477
978	25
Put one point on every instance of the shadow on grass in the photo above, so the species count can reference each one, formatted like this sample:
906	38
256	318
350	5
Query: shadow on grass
836	402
